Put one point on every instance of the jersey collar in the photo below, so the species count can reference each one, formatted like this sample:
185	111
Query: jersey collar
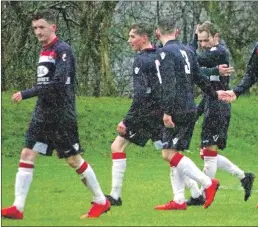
51	43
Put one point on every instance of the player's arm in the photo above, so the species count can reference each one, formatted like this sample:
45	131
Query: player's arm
62	71
141	91
251	75
167	77
202	81
215	54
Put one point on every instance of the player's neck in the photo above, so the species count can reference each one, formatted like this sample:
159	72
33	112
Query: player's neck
147	46
164	39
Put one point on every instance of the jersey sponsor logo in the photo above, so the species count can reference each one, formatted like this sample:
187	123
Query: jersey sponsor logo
215	138
42	71
213	48
43	80
136	70
162	55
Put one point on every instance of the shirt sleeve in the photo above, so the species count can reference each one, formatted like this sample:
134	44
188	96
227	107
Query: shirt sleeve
140	85
58	80
202	81
167	75
251	75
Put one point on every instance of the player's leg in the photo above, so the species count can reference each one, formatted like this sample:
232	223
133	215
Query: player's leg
246	179
178	139
67	145
33	145
118	169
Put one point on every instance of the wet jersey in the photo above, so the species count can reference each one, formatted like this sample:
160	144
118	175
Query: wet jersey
251	75
209	59
55	87
178	71
146	89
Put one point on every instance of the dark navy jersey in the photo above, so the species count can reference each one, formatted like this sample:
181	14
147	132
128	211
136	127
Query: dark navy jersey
55	87
251	75
146	88
209	59
178	71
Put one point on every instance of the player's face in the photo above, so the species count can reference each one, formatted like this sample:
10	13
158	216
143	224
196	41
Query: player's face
205	39
43	30
135	40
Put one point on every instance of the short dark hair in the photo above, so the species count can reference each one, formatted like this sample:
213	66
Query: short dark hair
48	14
208	27
143	29
167	26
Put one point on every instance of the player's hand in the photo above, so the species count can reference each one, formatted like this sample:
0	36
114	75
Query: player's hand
225	70
168	122
17	97
121	128
226	96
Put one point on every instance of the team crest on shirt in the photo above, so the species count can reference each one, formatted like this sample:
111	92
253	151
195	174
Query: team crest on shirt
64	57
162	55
136	70
175	140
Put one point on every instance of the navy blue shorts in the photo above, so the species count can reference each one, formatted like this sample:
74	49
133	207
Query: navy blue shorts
140	130
180	136
46	137
215	124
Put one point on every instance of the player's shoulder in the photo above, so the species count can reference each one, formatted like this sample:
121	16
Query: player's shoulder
62	46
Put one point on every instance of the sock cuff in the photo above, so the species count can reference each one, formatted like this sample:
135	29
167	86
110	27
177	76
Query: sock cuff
26	164
209	153
82	167
176	159
118	155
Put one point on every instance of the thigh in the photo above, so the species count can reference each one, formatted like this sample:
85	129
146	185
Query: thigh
66	140
38	137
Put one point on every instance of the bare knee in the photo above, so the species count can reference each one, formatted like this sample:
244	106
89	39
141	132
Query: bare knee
74	161
168	154
119	144
28	155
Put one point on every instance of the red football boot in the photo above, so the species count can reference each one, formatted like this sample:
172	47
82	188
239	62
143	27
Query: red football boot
97	209
171	205
12	212
211	192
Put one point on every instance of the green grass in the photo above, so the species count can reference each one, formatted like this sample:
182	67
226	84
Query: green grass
58	198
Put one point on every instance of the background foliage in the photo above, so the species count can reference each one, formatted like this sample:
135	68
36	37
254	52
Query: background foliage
98	32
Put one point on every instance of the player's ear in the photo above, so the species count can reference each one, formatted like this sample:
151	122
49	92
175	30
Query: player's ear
216	36
54	27
177	33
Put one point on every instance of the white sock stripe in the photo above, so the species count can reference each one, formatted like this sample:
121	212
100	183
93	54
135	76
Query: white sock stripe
27	162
